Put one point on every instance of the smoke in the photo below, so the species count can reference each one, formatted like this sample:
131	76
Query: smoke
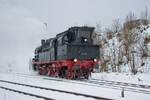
20	33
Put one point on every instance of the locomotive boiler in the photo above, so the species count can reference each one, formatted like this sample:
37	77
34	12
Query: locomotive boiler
71	54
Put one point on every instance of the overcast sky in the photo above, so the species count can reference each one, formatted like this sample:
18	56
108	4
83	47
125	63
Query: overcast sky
22	22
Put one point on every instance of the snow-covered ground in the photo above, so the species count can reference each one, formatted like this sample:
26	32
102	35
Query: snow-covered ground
8	95
70	86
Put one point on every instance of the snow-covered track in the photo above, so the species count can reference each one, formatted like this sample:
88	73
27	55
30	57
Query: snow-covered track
124	84
108	84
99	83
121	85
45	88
26	93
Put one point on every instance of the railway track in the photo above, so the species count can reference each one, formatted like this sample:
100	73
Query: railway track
109	84
121	85
124	84
101	83
97	80
49	89
26	93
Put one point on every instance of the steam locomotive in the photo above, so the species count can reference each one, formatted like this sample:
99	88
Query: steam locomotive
71	54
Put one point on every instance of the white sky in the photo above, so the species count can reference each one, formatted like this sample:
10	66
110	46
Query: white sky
22	22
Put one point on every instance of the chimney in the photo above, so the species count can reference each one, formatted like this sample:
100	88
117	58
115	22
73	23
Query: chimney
42	42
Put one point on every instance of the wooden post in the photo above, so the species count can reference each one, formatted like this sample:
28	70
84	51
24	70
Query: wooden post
122	93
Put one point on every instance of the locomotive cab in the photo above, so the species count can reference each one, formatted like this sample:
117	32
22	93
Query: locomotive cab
76	43
77	36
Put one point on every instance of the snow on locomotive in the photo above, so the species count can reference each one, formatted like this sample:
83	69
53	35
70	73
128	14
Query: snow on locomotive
71	54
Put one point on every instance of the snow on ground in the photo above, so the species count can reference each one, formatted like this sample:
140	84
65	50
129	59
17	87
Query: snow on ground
79	88
124	77
8	95
45	93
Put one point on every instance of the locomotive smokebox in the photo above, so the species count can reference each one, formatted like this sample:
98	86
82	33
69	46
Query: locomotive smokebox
42	41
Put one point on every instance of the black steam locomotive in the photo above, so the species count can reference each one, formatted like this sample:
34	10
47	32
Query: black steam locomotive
71	54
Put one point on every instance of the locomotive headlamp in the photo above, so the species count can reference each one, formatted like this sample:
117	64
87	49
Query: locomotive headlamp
75	60
85	40
95	60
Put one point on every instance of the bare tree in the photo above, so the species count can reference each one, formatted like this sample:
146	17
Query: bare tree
116	26
130	22
131	16
109	33
129	39
145	13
